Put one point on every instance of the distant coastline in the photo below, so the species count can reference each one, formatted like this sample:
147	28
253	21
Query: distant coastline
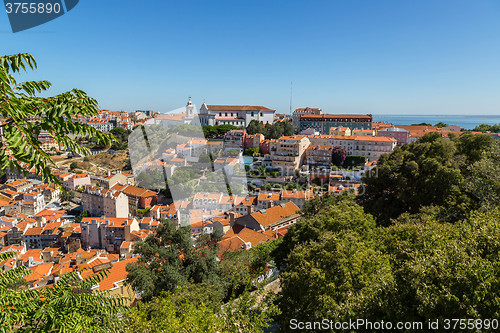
464	121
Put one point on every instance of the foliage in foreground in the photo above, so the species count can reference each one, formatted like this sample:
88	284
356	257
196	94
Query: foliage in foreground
168	260
458	175
414	270
67	306
19	105
176	312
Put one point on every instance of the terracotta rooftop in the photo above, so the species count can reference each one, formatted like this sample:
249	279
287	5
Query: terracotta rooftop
134	191
230	244
275	214
266	196
117	273
237	108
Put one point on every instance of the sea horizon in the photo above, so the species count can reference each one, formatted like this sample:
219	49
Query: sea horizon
468	122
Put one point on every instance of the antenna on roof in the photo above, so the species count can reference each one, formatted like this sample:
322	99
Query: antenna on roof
291	93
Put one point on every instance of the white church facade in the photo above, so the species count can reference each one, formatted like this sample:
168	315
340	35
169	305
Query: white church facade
237	115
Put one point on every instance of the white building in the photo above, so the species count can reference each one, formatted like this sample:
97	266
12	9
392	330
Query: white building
105	202
237	115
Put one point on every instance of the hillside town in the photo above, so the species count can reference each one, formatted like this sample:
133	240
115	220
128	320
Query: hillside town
92	223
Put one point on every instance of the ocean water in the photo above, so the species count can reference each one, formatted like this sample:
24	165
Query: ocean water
464	121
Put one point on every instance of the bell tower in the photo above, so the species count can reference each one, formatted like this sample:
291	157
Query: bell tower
189	109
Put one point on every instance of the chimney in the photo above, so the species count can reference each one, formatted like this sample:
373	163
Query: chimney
232	217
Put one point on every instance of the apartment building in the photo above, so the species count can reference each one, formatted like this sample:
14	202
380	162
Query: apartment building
76	181
105	202
207	201
401	135
33	202
373	147
343	131
267	199
289	153
114	178
344	142
323	123
303	112
298	197
253	141
51	193
234	139
363	132
318	156
138	198
19	185
107	232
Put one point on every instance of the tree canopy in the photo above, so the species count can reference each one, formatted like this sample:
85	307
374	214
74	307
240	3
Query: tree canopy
67	306
216	132
274	131
169	260
26	115
487	128
339	265
433	171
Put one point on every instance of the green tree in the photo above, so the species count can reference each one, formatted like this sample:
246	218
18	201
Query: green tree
19	104
73	166
255	127
487	128
431	171
441	125
167	313
414	270
204	158
251	151
173	312
274	131
169	260
338	156
83	214
69	305
354	160
323	214
120	141
442	270
288	128
67	195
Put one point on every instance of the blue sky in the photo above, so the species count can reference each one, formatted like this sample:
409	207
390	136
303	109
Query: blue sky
350	56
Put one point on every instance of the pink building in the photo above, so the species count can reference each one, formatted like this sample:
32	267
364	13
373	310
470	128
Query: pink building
400	134
75	181
234	139
253	141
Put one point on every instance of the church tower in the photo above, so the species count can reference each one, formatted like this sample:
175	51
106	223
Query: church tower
189	109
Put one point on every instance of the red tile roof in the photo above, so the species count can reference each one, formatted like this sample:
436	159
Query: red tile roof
275	214
237	108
